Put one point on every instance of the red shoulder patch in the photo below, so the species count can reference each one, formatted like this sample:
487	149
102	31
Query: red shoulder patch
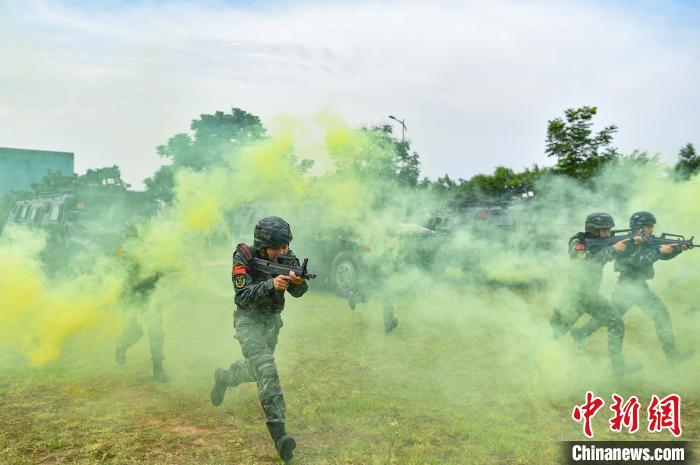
239	269
580	247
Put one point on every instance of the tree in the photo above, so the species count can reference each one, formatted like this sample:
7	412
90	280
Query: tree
54	181
688	161
215	136
405	166
503	185
109	177
160	186
580	153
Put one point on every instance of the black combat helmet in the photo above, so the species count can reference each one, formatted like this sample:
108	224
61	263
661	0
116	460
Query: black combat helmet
599	220
272	231
640	219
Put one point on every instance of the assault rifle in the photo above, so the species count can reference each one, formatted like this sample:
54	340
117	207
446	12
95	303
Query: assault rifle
614	237
283	265
671	239
675	240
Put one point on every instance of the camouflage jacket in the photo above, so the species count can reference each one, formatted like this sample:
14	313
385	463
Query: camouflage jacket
637	261
588	263
255	292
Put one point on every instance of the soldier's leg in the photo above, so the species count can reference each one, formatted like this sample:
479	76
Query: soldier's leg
156	339
564	317
654	307
258	341
261	359
239	372
390	321
131	335
607	313
623	299
582	333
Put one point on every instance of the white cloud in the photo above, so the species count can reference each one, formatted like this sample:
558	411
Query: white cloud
475	81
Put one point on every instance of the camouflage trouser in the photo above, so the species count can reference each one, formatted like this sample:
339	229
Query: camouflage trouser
258	339
628	293
133	332
602	312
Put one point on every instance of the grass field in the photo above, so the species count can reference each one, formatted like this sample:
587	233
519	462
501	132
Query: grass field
470	376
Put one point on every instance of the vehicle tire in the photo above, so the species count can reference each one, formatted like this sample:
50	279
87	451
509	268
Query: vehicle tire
345	274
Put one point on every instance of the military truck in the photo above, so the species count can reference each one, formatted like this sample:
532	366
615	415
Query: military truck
476	217
79	220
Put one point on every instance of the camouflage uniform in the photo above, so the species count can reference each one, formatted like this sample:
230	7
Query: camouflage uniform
257	322
585	298
635	266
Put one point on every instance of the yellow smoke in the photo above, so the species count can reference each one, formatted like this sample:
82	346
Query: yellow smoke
39	315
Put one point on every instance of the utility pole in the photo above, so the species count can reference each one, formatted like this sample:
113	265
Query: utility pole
403	126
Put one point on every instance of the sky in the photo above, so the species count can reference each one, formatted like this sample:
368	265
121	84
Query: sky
475	82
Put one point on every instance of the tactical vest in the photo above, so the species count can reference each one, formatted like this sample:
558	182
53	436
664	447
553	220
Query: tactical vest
268	303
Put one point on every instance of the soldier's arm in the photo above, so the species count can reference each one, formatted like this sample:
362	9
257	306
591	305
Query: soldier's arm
578	250
297	290
248	293
667	256
604	255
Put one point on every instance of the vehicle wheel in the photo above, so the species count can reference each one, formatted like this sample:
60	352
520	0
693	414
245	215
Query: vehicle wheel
345	274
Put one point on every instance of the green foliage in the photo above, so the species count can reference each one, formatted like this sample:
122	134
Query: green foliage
54	181
407	164
215	136
688	162
404	167
160	185
579	152
109	178
503	184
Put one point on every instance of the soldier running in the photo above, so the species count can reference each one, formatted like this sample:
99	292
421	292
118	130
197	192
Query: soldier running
259	302
636	265
584	290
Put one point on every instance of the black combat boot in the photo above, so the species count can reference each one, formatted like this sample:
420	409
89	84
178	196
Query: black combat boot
356	297
676	357
222	379
622	369
284	443
120	356
158	372
390	325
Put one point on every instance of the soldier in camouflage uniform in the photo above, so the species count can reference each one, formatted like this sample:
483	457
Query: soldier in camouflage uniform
584	290
636	265
259	302
136	297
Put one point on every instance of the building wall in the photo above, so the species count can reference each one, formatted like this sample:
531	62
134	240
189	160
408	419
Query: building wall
19	167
